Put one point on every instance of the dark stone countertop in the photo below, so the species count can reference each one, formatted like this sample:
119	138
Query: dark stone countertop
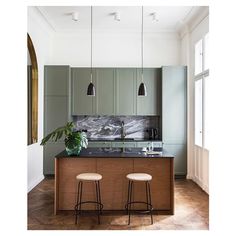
116	153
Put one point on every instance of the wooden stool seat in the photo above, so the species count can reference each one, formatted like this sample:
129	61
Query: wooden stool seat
89	177
139	177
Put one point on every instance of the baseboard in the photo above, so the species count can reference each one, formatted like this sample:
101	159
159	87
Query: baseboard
35	182
200	184
180	176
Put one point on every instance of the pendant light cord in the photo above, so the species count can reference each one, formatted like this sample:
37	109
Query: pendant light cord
142	44
91	21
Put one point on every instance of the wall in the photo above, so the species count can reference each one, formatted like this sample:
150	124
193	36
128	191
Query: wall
116	49
41	38
198	159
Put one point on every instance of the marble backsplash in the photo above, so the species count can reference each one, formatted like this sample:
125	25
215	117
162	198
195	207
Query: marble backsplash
109	127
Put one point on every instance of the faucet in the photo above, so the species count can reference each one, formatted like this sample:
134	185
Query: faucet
123	134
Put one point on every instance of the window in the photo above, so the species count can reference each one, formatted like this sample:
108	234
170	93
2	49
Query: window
201	87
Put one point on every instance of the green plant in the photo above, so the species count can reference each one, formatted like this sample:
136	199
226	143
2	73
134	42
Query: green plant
74	140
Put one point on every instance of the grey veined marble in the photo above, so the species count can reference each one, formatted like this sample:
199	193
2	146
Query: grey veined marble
109	127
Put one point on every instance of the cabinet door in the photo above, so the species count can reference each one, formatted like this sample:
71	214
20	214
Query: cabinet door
159	169
82	104
150	104
56	112
56	80
96	144
50	151
105	90
174	109
180	153
114	183
123	144
146	144
126	91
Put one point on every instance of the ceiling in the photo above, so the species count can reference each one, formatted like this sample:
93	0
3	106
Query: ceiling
169	18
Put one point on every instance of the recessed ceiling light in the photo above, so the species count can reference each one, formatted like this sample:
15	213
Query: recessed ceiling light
75	16
117	16
154	16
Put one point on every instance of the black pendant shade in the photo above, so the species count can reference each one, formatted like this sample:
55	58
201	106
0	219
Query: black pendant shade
142	91
91	90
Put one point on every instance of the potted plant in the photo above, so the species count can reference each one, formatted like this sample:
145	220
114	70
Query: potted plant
74	140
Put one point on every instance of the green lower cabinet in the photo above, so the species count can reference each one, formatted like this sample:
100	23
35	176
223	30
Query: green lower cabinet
126	91
82	104
150	104
123	144
99	144
50	151
147	144
180	153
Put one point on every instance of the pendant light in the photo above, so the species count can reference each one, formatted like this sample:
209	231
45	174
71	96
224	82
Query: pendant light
142	91
91	87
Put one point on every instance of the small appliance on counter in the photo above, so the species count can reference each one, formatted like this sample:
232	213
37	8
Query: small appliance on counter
152	133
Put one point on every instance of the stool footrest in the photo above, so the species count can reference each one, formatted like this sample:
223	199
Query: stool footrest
88	202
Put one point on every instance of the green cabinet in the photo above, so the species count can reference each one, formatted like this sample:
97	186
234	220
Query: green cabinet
82	104
150	104
174	114
123	144
56	110
126	91
105	90
147	144
116	92
56	83
99	144
180	153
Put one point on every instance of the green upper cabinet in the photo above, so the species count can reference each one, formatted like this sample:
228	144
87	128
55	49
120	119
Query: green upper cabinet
56	78
125	93
174	104
82	104
150	104
104	101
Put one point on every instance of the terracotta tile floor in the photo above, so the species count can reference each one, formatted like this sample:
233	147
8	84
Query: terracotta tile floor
191	212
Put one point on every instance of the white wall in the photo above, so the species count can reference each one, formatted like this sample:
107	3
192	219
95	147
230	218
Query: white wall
198	159
116	49
41	38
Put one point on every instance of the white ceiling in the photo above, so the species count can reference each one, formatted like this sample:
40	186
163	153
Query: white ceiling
169	18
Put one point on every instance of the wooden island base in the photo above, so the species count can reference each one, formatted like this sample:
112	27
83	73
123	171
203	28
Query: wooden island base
114	184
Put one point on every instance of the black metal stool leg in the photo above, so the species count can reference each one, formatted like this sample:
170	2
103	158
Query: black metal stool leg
147	198
130	198
150	201
78	201
100	201
97	205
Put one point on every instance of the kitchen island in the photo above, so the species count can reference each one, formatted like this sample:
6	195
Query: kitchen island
114	165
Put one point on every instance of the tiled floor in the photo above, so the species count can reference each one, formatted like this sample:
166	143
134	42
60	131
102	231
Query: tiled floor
191	212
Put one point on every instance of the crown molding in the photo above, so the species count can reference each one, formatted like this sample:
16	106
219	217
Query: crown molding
193	19
41	17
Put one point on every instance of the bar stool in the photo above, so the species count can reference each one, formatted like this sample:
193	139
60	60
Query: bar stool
139	177
88	177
